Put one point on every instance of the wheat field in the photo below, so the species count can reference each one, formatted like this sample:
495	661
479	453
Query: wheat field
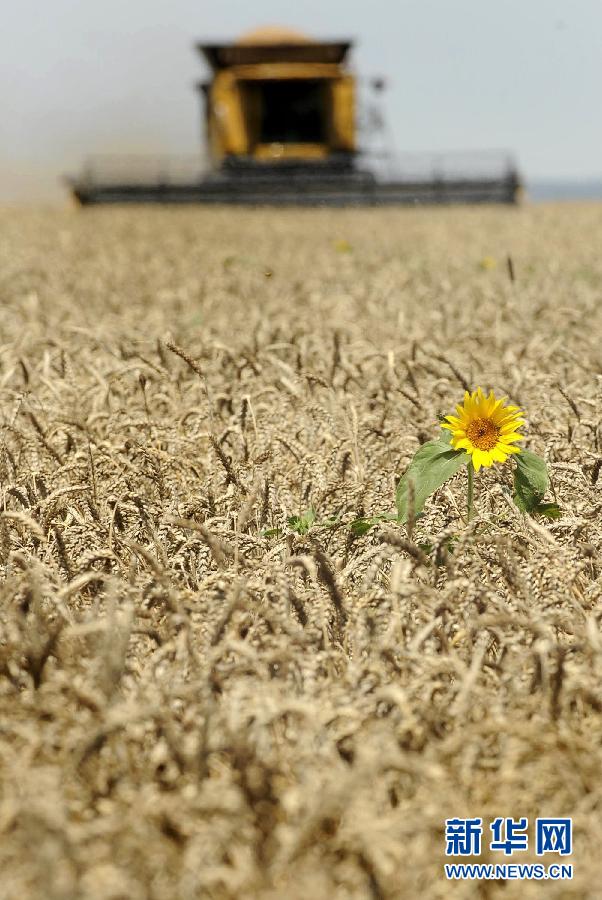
196	700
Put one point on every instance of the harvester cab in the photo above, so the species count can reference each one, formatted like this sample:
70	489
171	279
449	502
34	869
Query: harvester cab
276	98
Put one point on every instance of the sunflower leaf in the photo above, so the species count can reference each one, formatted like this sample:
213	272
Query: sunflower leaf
531	481
433	464
549	510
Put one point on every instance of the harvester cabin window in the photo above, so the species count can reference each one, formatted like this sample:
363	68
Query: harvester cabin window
292	112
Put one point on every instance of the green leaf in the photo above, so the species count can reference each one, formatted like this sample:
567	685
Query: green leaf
362	526
549	510
433	464
301	524
330	523
531	481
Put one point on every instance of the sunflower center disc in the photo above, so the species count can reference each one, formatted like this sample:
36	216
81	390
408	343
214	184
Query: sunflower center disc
483	433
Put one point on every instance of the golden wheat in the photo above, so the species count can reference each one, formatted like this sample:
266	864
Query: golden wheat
190	708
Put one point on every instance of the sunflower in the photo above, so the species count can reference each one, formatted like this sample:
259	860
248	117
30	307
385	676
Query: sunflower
485	428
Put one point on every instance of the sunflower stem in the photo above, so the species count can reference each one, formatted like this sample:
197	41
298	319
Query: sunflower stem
470	492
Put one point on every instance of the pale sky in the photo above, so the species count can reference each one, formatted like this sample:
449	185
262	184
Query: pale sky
79	77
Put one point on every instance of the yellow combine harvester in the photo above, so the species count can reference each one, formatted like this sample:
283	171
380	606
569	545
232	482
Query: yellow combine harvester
281	128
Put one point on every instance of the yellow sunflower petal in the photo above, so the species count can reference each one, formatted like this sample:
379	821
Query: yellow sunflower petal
486	458
511	438
509	424
498	407
481	458
500	416
506	412
489	404
461	443
510	427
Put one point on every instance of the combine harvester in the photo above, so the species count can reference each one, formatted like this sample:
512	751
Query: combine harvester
281	129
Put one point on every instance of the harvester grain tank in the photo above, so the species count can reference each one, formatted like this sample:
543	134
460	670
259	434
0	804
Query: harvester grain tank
280	117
